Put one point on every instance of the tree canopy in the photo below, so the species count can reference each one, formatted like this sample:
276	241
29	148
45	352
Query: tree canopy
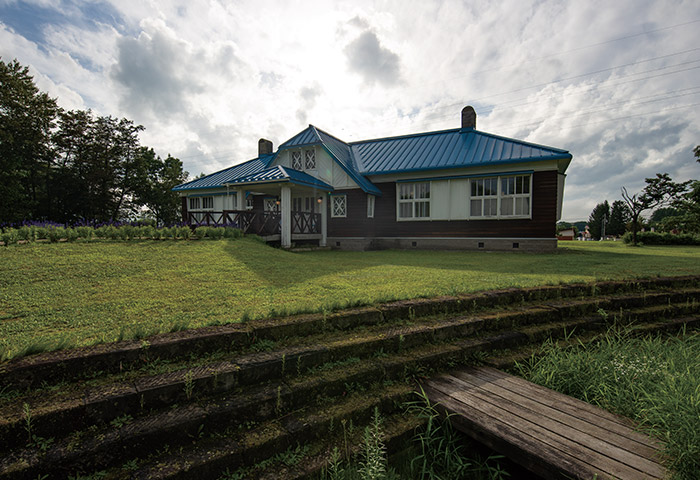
659	191
68	166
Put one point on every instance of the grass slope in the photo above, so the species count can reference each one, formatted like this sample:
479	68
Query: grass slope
67	294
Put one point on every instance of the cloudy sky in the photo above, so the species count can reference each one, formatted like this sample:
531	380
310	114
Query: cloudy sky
616	83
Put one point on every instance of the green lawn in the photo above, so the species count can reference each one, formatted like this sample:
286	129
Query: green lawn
81	293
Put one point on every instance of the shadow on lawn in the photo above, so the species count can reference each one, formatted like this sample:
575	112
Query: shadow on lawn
279	267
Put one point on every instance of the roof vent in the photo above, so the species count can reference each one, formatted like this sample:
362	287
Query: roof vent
468	117
264	147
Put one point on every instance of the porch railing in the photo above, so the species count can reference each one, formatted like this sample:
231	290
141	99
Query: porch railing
257	222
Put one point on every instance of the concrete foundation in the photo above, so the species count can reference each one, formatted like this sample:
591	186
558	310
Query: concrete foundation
445	243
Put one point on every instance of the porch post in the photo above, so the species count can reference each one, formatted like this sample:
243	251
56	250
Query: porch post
286	214
324	223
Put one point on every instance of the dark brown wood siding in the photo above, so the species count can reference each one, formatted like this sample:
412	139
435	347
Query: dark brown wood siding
184	209
384	224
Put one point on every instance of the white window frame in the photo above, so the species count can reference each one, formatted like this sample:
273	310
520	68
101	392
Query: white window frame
270	204
207	203
502	196
412	191
370	205
339	206
294	157
194	203
310	159
480	186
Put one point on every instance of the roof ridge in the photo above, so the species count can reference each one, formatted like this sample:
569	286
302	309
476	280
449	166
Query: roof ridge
398	137
524	142
330	135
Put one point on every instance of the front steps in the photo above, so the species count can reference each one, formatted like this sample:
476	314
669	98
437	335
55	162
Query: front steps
248	398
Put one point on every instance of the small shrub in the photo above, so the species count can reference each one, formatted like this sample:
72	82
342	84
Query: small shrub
25	233
184	232
9	236
655	238
86	233
71	234
201	232
56	234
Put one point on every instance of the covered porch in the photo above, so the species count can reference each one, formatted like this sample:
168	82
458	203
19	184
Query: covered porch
287	205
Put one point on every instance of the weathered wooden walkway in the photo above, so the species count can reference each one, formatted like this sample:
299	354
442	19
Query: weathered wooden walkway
550	434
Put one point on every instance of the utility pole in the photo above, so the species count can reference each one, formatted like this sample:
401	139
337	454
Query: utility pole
605	219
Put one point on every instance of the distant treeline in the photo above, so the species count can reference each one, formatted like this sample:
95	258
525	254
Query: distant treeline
67	166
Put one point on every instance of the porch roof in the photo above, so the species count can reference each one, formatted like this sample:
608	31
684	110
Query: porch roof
280	174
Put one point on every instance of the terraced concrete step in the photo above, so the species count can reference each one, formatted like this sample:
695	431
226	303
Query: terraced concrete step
177	427
102	405
113	358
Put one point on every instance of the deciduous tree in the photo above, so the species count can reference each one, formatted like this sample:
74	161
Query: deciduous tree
659	191
27	117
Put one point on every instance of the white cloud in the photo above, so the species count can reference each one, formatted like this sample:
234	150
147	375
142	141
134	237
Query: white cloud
207	78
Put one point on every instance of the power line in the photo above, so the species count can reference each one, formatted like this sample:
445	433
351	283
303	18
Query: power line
581	113
634	115
476	100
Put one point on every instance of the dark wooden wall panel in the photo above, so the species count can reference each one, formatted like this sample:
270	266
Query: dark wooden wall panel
384	224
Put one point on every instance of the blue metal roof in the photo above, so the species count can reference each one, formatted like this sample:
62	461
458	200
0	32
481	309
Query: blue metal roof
456	148
343	154
280	174
220	178
309	136
446	149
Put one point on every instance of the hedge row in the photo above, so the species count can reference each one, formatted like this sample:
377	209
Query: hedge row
655	238
32	233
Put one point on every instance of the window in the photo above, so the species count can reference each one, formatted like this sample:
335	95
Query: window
195	203
249	204
500	197
414	200
484	197
208	202
339	206
515	196
296	161
309	159
370	206
271	205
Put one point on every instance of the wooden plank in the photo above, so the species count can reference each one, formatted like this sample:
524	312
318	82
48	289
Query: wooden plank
527	422
604	422
550	463
589	435
587	460
574	406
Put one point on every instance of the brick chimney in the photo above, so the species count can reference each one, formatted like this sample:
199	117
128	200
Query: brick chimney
264	147
468	117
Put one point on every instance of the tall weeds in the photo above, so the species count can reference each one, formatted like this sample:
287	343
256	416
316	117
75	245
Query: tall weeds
653	380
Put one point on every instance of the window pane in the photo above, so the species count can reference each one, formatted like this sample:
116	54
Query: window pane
473	184
310	159
296	160
422	209
492	186
475	208
507	206
490	207
423	190
522	206
405	191
339	206
526	184
479	188
405	210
